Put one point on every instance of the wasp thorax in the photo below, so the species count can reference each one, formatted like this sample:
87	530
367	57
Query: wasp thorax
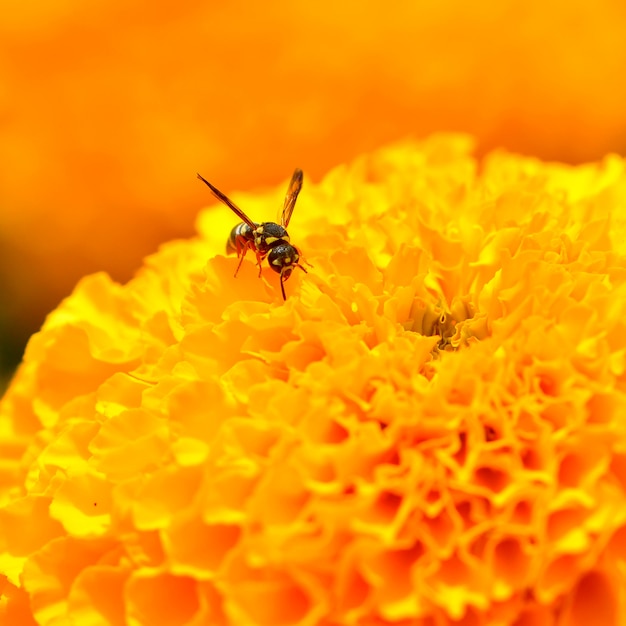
267	234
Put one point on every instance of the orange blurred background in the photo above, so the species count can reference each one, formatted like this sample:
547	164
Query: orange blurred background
109	108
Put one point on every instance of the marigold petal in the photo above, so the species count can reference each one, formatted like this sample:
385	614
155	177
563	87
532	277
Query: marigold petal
96	596
159	598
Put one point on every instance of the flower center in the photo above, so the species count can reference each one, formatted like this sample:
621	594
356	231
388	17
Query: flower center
458	324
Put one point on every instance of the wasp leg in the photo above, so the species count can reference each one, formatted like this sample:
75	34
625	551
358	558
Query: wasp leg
282	284
242	247
259	260
241	258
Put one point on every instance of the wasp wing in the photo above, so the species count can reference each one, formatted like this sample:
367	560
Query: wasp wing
229	203
290	199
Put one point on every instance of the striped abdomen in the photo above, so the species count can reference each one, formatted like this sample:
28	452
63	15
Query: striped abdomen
244	233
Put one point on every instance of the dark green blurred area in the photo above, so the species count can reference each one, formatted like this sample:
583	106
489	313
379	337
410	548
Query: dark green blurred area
11	351
12	345
12	341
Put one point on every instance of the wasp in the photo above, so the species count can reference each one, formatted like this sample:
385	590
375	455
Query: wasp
267	239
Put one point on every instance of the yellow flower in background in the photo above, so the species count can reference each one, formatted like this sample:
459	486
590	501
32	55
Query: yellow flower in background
108	108
428	431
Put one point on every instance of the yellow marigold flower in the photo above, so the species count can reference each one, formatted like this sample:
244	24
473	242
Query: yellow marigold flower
428	431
